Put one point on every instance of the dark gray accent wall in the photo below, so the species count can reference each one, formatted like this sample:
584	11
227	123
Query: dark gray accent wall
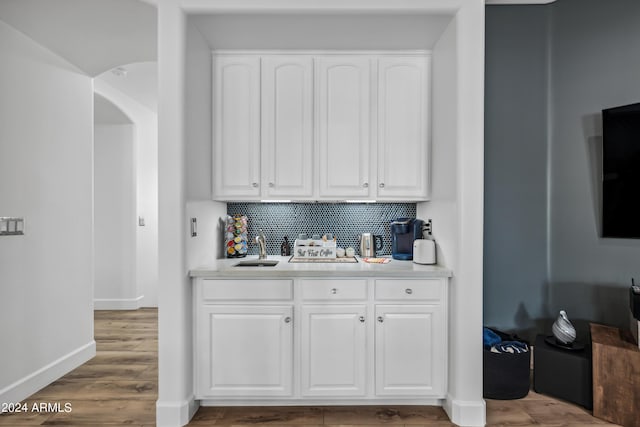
515	230
550	70
595	65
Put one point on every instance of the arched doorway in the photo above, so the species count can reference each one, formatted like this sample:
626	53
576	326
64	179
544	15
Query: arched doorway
132	89
114	208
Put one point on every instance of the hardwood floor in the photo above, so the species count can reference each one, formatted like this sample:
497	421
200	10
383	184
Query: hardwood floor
119	387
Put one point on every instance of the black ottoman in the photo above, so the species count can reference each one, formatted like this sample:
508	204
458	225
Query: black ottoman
563	373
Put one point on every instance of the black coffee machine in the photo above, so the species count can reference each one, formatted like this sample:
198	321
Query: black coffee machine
403	232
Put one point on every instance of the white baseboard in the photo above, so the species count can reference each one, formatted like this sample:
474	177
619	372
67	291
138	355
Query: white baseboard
279	401
44	376
466	413
118	304
176	414
149	302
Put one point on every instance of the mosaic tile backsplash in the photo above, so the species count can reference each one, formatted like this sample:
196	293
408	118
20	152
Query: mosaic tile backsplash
345	220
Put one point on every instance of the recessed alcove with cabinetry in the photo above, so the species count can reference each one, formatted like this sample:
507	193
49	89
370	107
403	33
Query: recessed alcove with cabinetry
354	44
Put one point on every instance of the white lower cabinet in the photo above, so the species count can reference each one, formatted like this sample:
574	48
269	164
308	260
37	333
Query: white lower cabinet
333	357
312	339
410	360
244	351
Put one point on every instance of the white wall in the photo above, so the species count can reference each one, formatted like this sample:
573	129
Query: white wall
456	205
46	176
146	188
442	208
465	405
115	217
198	115
175	405
359	31
207	245
185	139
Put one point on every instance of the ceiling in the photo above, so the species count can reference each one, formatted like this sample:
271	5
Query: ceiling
140	82
321	31
106	113
98	35
94	35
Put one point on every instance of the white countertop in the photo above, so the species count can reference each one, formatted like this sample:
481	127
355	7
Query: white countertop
395	268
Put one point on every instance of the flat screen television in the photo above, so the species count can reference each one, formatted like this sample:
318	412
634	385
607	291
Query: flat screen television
621	172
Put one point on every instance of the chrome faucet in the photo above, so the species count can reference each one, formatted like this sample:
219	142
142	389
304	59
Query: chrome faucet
262	245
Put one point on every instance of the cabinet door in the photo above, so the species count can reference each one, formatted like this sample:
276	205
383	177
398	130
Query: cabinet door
343	121
287	126
236	130
333	350
410	350
403	119
244	351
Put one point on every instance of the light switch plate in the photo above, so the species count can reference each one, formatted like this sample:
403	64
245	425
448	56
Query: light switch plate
194	227
11	226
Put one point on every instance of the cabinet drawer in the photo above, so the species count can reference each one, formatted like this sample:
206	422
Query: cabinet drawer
409	290
216	290
332	290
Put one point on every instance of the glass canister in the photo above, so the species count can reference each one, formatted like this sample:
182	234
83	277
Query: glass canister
236	236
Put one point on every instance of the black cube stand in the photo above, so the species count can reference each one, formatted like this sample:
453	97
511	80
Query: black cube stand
562	373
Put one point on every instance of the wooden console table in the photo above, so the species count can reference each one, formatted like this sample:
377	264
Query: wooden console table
616	376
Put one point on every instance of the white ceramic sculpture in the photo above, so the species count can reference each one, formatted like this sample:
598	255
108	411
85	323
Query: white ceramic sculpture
563	330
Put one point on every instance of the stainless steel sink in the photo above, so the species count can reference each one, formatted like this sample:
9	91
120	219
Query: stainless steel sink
257	263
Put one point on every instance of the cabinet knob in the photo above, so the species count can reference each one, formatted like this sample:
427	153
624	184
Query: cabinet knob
380	319
409	291
334	291
254	185
365	185
287	319
381	185
362	319
271	184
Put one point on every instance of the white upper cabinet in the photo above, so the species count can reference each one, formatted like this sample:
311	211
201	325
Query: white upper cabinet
403	118
236	127
306	126
343	125
287	126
